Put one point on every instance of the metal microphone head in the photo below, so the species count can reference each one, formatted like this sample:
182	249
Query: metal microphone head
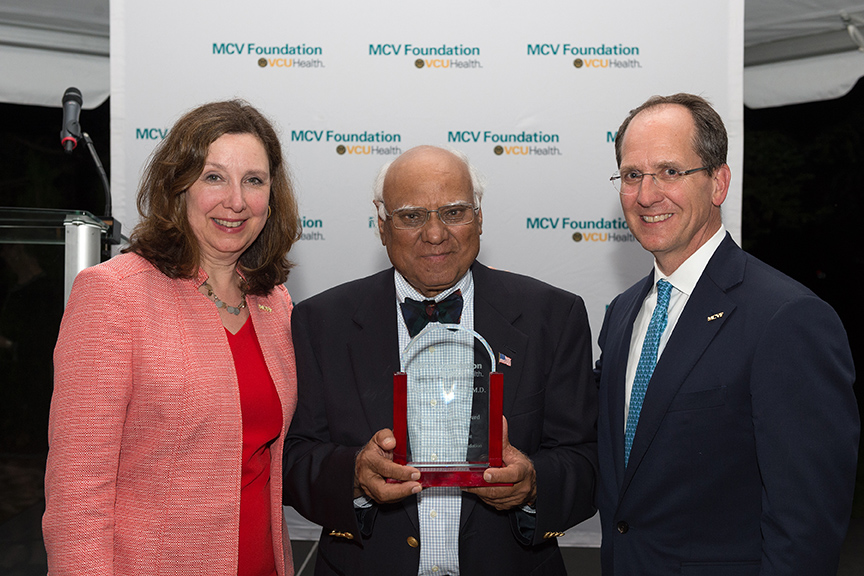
73	93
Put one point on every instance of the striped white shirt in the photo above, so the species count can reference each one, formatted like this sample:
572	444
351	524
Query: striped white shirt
439	507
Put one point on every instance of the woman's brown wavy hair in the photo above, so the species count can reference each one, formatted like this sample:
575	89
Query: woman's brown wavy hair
163	235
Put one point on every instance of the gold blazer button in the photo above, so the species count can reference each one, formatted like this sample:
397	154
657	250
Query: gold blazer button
413	542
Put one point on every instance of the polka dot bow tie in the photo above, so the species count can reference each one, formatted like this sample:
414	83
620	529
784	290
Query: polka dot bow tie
418	314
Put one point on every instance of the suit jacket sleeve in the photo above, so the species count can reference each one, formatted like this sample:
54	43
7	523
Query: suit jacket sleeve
92	388
566	463
318	473
807	426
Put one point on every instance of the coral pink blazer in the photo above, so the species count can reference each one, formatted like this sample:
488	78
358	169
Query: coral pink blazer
145	431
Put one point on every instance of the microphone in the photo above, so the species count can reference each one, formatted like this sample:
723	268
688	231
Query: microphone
71	111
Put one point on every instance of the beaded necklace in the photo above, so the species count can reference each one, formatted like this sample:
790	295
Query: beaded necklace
220	304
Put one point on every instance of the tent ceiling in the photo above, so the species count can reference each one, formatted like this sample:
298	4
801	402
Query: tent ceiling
67	43
801	50
771	20
48	45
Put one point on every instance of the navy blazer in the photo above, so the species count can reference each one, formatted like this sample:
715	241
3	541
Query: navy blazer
744	457
347	351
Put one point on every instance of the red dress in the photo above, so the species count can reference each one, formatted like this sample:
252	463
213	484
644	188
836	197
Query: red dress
262	423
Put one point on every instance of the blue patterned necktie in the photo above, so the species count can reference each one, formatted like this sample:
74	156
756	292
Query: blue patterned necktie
647	362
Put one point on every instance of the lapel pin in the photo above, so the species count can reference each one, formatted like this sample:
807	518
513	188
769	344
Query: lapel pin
264	308
715	316
504	359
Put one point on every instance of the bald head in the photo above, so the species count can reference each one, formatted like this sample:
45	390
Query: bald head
428	164
433	256
426	153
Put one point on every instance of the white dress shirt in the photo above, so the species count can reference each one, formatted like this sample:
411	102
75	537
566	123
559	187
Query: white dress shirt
439	508
683	282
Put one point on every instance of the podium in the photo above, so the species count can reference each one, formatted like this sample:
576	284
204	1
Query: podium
79	232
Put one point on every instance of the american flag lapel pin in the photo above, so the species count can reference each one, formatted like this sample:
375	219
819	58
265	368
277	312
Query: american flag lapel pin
504	359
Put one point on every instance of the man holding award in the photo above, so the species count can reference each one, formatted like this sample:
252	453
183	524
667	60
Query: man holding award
383	517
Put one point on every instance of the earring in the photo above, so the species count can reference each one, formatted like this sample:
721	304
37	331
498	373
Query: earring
269	211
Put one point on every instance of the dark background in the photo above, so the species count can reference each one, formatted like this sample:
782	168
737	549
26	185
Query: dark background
803	188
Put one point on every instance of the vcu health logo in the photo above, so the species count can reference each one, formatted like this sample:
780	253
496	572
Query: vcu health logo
290	63
432	57
511	144
602	230
341	149
590	57
354	143
281	56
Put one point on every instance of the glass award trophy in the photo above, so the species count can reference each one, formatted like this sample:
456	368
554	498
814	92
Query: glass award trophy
447	403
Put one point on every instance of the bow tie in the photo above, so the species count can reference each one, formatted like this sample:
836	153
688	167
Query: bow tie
418	314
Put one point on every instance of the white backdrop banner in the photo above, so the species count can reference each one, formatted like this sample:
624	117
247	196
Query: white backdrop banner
532	92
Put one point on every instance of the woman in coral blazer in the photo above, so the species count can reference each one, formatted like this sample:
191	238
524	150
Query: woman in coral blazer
174	371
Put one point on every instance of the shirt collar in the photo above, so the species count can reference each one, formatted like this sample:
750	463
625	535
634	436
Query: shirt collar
688	273
405	290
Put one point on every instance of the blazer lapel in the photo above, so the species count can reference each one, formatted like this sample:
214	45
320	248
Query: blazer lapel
615	358
273	329
495	311
374	355
374	350
699	323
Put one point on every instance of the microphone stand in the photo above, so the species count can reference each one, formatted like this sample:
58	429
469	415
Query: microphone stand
102	175
112	237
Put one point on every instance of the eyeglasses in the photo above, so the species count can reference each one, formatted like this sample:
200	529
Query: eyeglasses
415	218
629	182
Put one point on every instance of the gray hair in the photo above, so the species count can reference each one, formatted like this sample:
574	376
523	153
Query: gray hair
478	182
710	140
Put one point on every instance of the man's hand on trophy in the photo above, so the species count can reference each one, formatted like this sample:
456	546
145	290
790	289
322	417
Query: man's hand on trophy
518	470
374	466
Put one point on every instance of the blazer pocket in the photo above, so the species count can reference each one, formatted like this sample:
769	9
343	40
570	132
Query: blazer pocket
697	400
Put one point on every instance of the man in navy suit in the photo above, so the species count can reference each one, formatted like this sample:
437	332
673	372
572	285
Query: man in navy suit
728	438
348	340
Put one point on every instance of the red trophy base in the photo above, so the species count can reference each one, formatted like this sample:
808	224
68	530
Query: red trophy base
450	473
